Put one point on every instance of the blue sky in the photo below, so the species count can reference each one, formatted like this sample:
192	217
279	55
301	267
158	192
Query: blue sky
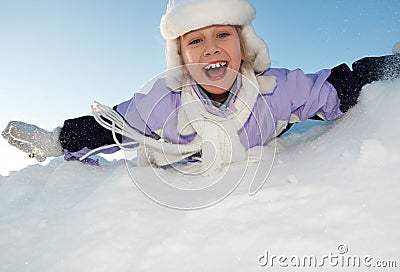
57	57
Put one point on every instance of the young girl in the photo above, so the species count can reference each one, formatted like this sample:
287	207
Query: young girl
219	97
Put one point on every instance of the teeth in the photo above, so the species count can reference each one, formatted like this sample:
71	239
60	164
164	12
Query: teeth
215	65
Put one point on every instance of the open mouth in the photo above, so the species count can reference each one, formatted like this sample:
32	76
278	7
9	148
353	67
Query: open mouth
216	70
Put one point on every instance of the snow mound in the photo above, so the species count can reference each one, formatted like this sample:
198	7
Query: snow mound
334	189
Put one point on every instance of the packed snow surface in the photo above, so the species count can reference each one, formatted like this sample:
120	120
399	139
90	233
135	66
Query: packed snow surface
334	191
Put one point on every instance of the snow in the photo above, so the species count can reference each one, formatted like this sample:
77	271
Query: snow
396	48
334	187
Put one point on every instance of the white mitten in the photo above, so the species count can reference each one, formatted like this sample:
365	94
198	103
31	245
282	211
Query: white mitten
35	141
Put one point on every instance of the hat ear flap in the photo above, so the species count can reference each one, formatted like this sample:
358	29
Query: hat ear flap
175	74
256	49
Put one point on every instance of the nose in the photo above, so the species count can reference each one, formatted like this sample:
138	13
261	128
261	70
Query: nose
211	48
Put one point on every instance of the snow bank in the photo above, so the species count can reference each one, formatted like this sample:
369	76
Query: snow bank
334	190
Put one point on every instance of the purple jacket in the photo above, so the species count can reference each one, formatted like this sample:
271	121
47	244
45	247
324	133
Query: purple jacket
296	94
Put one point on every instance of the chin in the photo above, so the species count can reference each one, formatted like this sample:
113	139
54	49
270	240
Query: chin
215	89
218	86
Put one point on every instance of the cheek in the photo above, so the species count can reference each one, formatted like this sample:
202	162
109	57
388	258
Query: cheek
191	61
188	56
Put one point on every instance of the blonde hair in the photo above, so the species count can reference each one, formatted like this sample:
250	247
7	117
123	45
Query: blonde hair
242	43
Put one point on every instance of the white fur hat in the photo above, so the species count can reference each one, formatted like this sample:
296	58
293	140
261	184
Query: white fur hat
183	16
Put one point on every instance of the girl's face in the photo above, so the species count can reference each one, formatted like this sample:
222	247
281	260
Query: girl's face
212	56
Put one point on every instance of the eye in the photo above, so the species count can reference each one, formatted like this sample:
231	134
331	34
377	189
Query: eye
195	41
223	35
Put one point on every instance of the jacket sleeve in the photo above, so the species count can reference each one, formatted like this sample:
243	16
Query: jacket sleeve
149	112
144	112
300	96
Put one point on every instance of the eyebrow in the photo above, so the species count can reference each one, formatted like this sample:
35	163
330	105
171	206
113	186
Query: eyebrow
218	26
